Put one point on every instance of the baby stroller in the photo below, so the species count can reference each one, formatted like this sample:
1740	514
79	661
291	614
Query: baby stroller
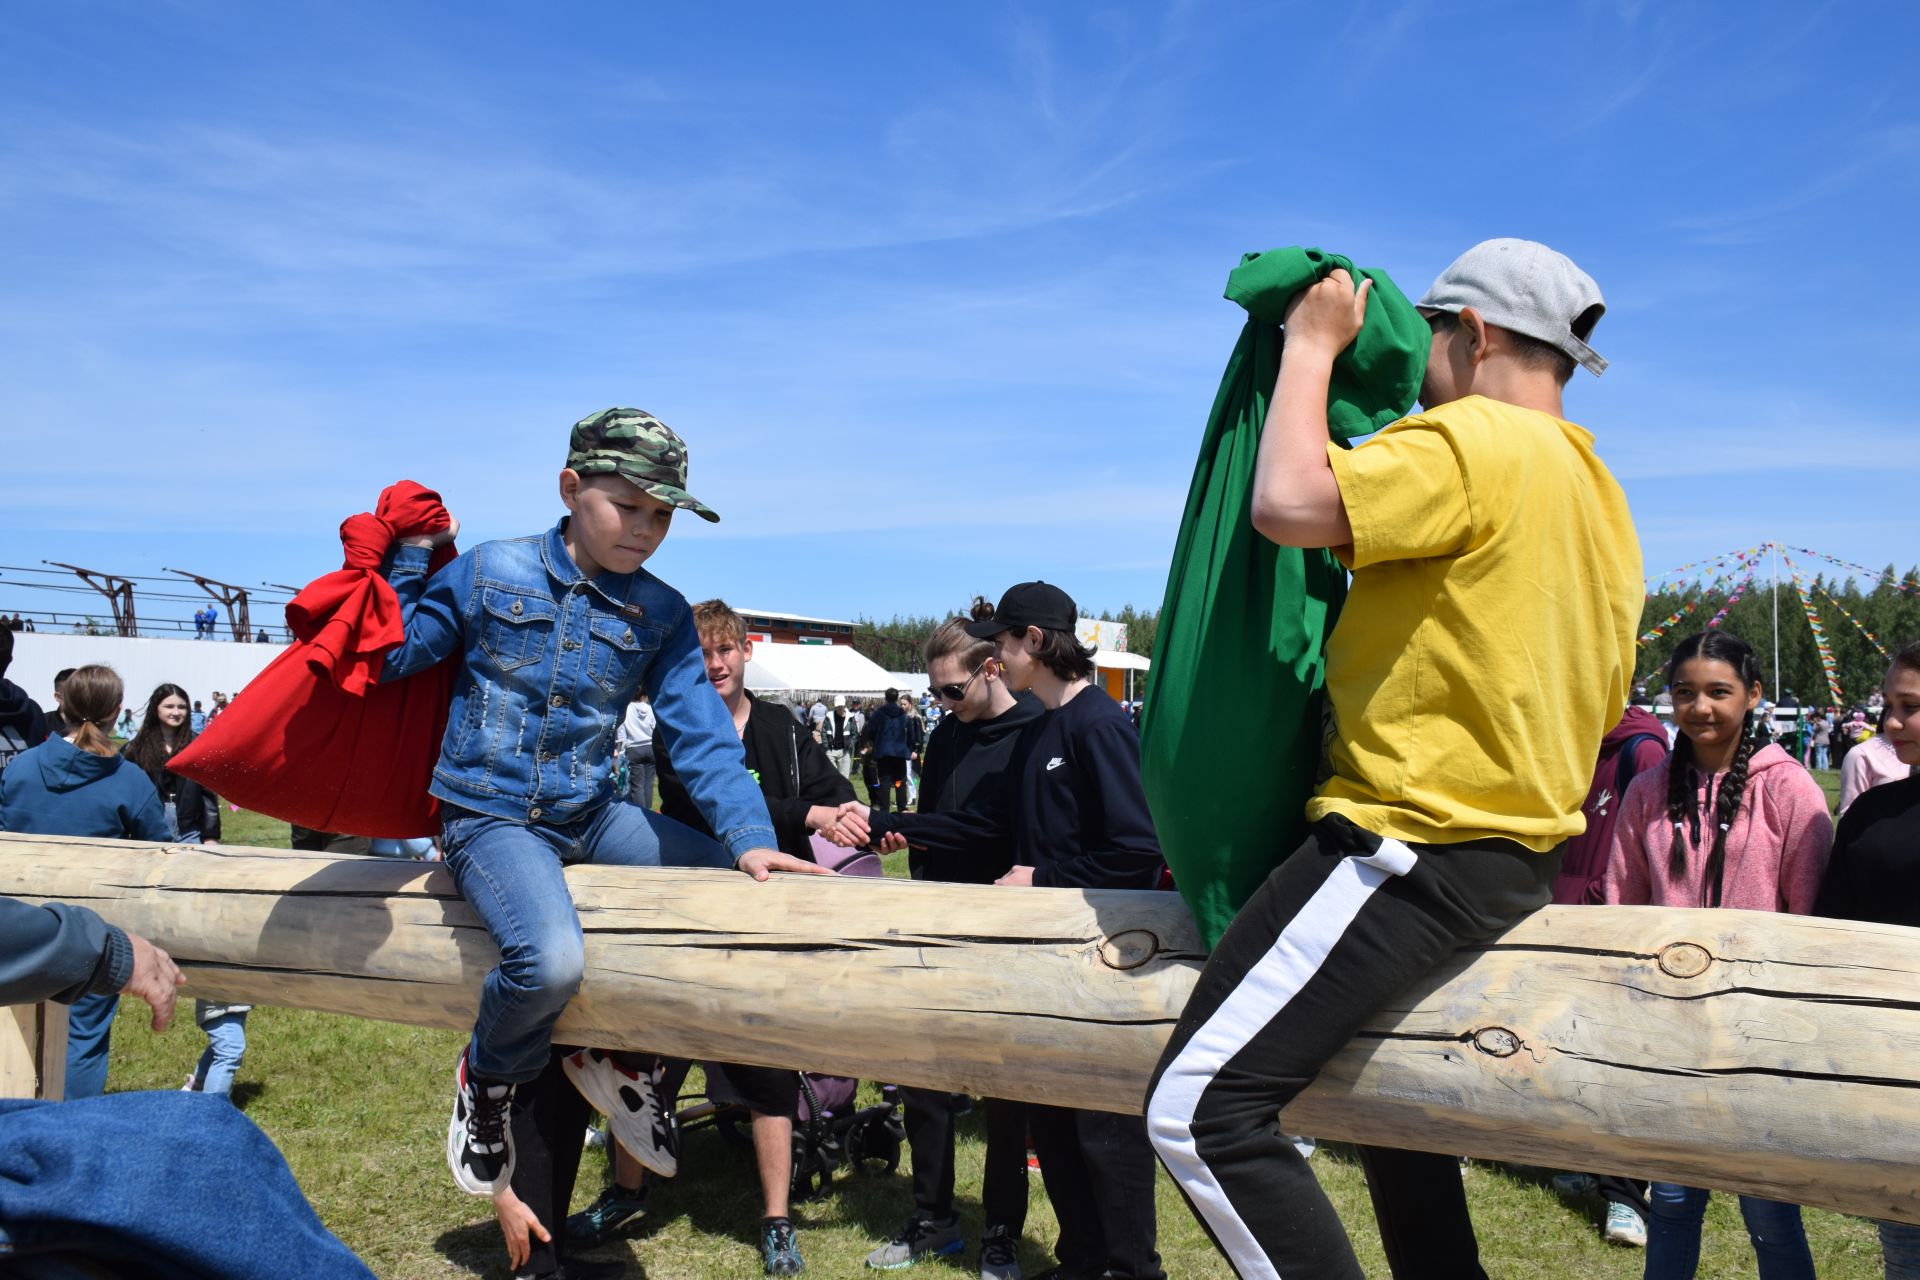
830	1132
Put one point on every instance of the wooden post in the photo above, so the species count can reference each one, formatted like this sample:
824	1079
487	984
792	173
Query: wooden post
1768	1054
33	1051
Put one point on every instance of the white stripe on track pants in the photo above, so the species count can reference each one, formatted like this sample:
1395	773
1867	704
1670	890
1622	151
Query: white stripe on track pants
1343	924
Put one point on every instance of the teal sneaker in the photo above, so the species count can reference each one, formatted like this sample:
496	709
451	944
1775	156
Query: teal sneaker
779	1248
611	1212
920	1238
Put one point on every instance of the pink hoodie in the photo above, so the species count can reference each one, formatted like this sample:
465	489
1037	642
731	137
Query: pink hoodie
1776	850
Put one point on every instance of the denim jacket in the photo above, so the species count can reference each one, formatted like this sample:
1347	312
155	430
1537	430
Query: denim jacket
549	661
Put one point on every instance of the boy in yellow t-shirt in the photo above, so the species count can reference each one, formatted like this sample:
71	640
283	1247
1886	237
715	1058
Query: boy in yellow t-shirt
1486	645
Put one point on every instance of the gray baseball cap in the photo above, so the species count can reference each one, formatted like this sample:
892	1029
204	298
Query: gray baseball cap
1526	287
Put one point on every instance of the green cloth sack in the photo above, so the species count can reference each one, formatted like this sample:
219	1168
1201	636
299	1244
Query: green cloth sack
1230	738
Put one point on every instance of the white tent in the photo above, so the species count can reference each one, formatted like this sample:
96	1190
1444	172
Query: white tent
815	668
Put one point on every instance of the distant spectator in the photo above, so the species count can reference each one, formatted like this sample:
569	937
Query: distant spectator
262	637
126	728
634	742
198	719
22	724
83	788
890	733
192	811
837	734
57	725
16	623
1874	763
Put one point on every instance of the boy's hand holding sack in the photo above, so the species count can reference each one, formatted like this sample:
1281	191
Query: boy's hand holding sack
316	739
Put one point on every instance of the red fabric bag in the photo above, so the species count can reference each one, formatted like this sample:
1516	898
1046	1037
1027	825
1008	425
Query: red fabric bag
316	739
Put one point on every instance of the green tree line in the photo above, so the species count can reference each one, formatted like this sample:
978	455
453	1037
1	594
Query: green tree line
898	643
1890	613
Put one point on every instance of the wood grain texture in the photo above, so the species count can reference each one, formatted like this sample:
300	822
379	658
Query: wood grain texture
1769	1054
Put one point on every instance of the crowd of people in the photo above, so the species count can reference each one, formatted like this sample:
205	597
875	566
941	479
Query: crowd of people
1442	818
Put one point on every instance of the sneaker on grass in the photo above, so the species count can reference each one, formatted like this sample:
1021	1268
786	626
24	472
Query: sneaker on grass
1624	1226
479	1137
636	1117
612	1211
920	1238
779	1248
999	1255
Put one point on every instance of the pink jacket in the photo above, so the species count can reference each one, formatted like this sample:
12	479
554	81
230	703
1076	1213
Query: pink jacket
1776	850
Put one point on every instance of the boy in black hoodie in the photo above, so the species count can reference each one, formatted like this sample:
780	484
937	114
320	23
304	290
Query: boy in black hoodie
804	792
22	724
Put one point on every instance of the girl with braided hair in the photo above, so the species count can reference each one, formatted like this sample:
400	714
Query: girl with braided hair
1724	822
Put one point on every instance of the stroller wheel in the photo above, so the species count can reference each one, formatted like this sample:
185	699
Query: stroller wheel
812	1176
873	1147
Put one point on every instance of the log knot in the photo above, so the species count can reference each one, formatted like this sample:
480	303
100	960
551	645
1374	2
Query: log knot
1129	949
1497	1042
1685	960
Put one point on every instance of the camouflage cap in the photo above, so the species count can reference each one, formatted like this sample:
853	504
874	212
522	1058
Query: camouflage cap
636	446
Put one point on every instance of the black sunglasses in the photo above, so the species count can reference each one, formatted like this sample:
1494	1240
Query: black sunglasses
955	692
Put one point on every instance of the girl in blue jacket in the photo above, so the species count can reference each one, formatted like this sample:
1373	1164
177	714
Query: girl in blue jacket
79	785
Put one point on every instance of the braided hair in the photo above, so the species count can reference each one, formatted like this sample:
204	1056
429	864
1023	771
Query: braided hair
1683	780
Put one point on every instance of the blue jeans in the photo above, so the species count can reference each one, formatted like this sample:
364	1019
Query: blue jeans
510	874
1900	1247
89	1036
163	1184
226	1048
1822	758
1673	1235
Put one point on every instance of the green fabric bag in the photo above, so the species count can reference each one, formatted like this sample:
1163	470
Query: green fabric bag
1230	737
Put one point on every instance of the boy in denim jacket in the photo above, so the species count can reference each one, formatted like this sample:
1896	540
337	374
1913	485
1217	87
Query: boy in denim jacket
555	634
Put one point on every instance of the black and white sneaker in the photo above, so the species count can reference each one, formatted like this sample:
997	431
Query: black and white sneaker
637	1117
480	1135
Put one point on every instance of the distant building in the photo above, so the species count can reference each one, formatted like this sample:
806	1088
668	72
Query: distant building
794	628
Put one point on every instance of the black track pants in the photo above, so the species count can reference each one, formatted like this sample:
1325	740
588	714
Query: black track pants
1337	930
1003	1183
1098	1169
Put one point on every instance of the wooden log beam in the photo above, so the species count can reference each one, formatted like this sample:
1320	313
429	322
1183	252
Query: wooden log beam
1774	1055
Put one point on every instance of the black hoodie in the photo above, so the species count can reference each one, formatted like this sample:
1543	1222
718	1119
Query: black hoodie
964	760
22	724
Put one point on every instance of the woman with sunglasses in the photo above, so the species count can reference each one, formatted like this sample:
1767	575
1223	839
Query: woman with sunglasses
1075	815
969	753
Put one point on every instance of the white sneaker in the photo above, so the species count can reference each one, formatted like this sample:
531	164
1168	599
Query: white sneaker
630	1100
1624	1226
480	1135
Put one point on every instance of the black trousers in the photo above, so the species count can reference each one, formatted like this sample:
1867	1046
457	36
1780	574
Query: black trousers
549	1131
1098	1168
1339	928
893	783
1003	1184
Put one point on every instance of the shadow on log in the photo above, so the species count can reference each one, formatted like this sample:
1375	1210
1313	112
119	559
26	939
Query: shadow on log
1775	1055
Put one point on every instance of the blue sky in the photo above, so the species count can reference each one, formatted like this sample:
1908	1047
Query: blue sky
932	291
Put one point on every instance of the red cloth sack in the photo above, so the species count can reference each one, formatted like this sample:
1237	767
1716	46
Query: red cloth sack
316	739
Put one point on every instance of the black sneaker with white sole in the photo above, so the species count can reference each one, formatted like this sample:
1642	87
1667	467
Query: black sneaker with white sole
480	1135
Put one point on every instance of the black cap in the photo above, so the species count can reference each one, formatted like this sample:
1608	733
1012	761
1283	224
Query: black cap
1030	604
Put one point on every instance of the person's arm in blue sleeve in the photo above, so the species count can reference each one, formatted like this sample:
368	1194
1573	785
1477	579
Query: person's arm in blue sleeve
1119	847
59	952
433	609
693	727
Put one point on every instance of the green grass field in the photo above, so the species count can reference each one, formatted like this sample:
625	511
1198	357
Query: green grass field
360	1109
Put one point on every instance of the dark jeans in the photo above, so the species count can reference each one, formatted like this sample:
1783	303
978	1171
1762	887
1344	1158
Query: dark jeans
1003	1188
1339	928
1673	1235
893	783
175	1185
1098	1168
549	1130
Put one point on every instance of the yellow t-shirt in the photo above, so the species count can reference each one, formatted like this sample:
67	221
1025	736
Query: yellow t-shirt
1487	643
